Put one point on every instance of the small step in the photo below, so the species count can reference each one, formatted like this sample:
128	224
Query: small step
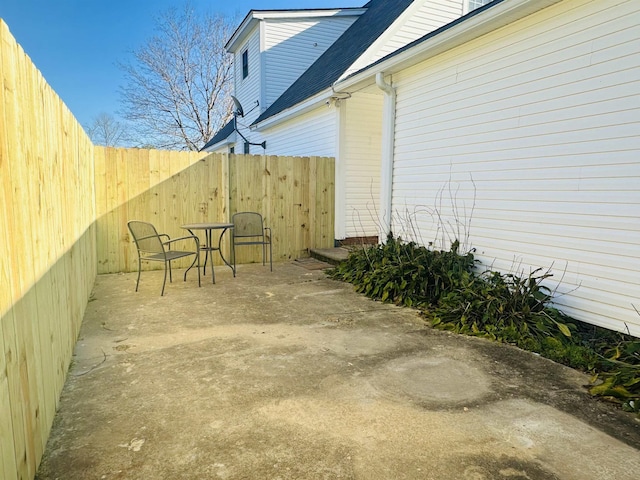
312	263
330	255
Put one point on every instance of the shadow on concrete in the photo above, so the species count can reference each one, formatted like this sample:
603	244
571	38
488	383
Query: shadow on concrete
291	375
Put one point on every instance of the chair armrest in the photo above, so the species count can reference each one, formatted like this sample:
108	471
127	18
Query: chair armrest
267	229
188	237
152	236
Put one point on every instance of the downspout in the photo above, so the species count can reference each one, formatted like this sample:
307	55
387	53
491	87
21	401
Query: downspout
386	168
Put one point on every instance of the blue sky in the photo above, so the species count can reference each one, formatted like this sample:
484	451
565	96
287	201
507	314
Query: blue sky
76	44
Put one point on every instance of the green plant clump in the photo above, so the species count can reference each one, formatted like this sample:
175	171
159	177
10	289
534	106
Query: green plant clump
502	307
405	273
616	375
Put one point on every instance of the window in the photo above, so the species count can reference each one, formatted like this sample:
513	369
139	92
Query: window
473	4
246	148
245	64
232	150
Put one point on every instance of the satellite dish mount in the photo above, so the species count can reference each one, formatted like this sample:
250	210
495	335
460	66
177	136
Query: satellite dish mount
238	108
238	111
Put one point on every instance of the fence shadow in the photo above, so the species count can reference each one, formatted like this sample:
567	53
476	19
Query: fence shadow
294	194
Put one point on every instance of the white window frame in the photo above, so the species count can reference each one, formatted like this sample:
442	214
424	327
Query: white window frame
243	55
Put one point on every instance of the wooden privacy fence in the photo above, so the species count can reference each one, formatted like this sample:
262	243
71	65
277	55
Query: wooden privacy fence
294	194
47	256
65	204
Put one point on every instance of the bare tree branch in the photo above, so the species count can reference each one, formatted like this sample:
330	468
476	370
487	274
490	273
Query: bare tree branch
105	130
178	87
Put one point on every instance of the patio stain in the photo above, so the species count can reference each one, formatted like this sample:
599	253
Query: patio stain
312	381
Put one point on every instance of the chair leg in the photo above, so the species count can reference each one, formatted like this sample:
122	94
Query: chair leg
233	248
198	256
190	267
165	277
139	269
270	255
213	272
264	252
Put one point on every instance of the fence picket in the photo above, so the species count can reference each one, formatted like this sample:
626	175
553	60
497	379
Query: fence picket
173	188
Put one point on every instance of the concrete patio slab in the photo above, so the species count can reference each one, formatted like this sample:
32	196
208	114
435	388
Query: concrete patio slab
291	375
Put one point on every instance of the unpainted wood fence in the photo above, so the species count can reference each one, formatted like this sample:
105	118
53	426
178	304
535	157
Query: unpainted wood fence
295	196
48	258
64	208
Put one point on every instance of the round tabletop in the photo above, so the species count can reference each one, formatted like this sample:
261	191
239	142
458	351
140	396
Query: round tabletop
206	226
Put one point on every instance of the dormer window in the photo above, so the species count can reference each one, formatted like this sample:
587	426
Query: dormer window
245	64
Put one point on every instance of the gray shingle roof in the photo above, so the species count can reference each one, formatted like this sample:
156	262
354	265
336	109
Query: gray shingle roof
220	135
341	55
430	35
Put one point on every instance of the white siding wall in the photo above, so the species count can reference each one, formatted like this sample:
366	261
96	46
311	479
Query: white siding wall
431	15
530	138
362	152
292	45
419	19
313	133
247	90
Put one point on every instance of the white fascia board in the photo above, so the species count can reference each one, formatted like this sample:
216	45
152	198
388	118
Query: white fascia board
241	33
322	12
301	108
255	16
230	140
466	30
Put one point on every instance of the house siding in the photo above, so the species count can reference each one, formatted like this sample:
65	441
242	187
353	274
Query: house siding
247	90
431	15
423	17
524	145
311	134
362	140
291	46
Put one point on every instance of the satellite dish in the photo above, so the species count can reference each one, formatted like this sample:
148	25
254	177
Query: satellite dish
239	111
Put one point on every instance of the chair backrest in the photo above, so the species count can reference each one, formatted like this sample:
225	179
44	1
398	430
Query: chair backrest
247	224
146	237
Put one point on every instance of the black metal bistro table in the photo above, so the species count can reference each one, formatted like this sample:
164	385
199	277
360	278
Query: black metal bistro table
209	247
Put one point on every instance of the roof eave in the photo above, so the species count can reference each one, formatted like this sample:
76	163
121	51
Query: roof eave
241	32
447	37
230	140
301	108
254	16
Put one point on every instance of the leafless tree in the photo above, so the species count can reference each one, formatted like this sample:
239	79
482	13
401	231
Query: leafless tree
177	89
105	130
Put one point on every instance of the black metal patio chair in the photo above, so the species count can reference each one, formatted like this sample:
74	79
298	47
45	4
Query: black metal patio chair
249	229
156	247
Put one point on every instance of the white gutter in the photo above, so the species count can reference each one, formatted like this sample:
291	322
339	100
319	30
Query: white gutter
386	169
